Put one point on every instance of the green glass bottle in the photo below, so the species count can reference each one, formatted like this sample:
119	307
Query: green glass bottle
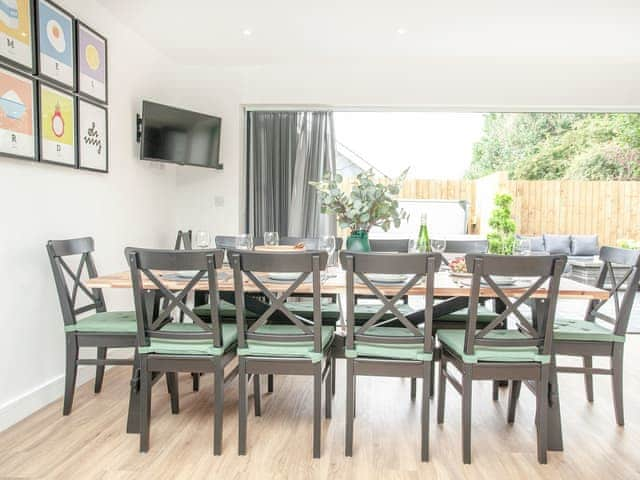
423	245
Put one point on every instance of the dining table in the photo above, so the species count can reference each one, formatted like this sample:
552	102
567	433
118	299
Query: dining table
454	289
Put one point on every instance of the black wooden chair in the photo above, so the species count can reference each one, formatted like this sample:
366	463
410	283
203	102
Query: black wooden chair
587	338
302	347
184	240
374	349
102	329
169	347
488	353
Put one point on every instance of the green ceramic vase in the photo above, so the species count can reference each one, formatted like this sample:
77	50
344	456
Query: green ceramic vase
358	241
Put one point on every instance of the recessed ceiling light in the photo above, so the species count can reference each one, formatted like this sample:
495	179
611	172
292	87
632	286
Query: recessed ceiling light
247	32
401	31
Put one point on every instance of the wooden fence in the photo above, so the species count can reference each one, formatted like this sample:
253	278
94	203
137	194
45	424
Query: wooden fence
606	208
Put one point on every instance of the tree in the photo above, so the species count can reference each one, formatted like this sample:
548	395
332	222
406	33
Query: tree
503	228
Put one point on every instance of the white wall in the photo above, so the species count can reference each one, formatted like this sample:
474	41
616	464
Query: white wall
131	205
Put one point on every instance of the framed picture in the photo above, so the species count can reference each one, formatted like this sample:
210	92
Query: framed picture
16	34
93	136
56	44
57	126
17	115
92	63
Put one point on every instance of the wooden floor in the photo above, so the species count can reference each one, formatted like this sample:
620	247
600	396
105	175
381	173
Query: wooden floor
91	443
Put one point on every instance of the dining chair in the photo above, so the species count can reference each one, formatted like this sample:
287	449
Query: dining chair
229	241
102	330
587	338
375	349
488	353
300	347
184	240
165	346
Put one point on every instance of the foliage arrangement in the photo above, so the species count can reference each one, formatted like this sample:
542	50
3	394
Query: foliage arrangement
369	203
628	243
502	237
551	146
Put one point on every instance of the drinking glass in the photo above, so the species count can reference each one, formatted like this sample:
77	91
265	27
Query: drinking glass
522	247
328	244
271	239
203	239
438	245
244	241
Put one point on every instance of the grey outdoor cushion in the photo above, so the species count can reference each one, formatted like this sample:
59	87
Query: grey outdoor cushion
537	243
584	245
557	244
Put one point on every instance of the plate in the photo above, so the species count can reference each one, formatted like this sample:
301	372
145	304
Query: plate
283	276
188	274
387	278
460	274
500	281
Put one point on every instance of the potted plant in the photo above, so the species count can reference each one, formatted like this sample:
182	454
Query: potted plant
502	237
369	203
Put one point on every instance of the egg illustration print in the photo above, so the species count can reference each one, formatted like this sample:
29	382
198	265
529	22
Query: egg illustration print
57	122
92	56
55	35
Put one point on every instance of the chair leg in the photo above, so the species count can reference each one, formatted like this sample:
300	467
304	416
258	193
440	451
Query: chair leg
442	388
616	367
196	381
333	375
414	384
218	406
496	390
348	449
467	381
101	355
71	372
432	387
270	383
426	394
257	407
174	391
328	393
514	394
587	362
317	409
542	408
242	407
145	405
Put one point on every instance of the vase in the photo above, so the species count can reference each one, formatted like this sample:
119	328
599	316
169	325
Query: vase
358	241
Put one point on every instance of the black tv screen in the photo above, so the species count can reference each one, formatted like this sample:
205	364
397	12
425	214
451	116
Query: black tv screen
179	136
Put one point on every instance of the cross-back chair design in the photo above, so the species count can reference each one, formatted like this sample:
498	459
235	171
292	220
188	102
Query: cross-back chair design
167	346
301	347
486	352
102	329
184	240
587	338
375	349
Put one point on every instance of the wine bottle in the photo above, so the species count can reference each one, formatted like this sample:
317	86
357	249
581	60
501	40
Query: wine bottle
423	245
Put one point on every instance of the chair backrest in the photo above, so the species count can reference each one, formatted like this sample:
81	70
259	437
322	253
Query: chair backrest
537	271
619	258
309	243
467	246
148	267
420	265
389	245
229	241
184	240
302	263
59	252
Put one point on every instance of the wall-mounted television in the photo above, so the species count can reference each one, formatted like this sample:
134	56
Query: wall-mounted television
174	135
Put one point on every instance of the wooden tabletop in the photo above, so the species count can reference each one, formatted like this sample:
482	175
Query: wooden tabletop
445	286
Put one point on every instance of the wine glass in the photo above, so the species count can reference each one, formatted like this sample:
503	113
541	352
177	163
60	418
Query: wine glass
412	246
203	239
522	247
271	239
244	241
438	245
328	244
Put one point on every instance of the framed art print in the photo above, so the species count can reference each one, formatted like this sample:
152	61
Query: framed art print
16	33
56	44
92	63
17	115
57	126
93	136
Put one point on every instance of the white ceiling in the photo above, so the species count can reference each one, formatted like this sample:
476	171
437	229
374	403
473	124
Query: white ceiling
210	32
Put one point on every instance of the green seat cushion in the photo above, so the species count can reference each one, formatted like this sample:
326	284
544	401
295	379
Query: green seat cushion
364	311
190	347
390	351
454	341
268	348
106	322
484	315
225	310
582	331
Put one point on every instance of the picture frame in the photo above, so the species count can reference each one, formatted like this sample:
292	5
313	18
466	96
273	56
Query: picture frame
92	64
56	44
18	115
93	136
18	34
57	121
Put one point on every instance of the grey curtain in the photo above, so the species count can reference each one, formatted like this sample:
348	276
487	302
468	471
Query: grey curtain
286	151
